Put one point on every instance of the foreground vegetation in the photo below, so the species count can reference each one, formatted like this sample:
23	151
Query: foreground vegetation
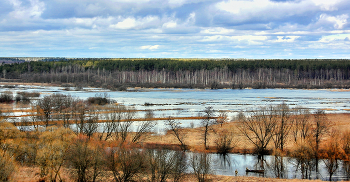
119	74
101	145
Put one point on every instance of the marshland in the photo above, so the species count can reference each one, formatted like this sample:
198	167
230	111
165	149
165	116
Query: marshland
70	129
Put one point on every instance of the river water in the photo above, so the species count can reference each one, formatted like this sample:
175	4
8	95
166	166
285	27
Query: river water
192	102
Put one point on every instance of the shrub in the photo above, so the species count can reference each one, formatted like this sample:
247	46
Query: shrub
148	104
29	94
6	98
23	99
7	167
224	142
97	100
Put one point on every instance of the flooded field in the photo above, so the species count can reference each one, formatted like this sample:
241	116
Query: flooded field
189	103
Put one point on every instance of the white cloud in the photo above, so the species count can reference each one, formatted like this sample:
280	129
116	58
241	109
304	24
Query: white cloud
127	23
132	23
35	9
247	9
183	27
337	21
268	10
170	24
336	37
327	5
150	47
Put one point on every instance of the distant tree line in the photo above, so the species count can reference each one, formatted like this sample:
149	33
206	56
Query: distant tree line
10	60
188	73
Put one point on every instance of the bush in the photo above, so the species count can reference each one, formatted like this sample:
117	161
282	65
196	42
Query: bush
148	104
29	94
6	98
99	99
224	143
7	167
23	99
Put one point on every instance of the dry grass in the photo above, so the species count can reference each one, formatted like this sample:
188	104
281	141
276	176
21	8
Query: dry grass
24	83
194	140
255	179
30	174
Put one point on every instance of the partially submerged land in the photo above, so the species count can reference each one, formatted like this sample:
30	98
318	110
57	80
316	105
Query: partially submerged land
49	151
194	140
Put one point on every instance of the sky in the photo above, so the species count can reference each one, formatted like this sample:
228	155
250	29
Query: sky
253	29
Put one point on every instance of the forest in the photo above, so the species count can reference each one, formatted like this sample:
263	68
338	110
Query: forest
118	74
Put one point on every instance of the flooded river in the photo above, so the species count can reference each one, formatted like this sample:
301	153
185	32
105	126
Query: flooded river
192	102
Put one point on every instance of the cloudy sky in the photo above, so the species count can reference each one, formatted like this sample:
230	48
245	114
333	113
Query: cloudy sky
175	28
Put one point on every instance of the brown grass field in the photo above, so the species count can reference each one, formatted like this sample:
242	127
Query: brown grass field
193	139
28	174
341	123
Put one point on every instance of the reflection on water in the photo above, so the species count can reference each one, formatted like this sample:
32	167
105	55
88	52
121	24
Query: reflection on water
274	167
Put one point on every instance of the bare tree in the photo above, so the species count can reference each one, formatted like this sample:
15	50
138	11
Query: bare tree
79	111
201	165
98	162
65	110
113	117
345	144
7	167
304	156
161	164
333	154
45	108
225	142
85	158
259	127
176	130
125	127
321	128
283	127
302	124
145	127
222	118
207	123
180	165
91	124
125	164
52	147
